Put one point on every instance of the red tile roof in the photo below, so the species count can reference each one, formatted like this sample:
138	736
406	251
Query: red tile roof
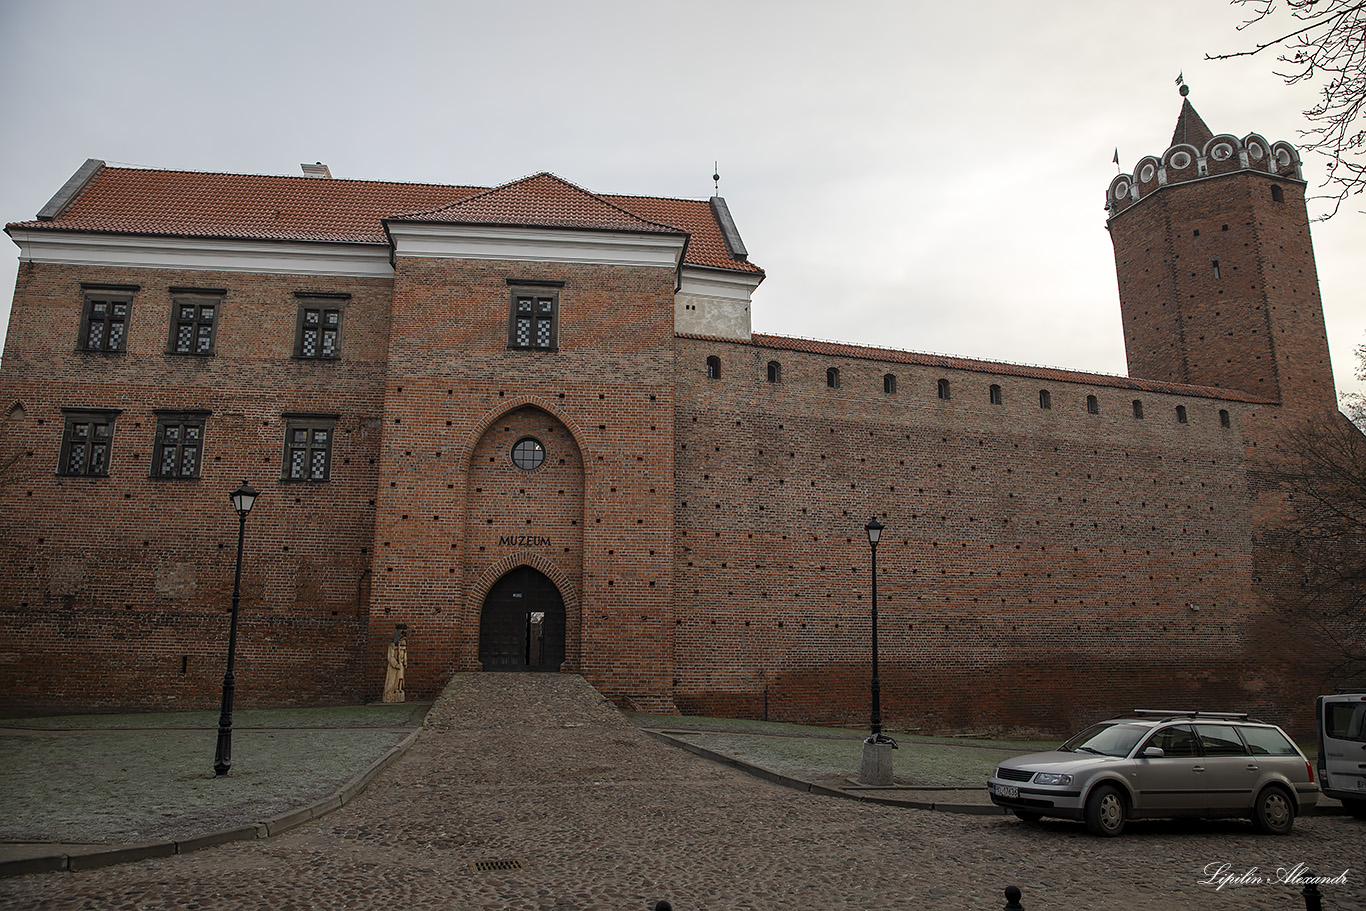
1000	368
542	200
707	246
258	207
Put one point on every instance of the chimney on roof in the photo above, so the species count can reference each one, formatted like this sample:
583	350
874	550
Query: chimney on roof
317	169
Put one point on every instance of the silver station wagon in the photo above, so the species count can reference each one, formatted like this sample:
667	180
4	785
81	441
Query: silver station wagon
1159	764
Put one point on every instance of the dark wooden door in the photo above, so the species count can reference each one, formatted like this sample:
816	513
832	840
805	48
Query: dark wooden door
522	624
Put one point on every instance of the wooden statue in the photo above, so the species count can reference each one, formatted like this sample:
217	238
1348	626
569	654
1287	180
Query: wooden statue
398	663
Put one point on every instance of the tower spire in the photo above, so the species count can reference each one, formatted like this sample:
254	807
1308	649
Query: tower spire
1190	128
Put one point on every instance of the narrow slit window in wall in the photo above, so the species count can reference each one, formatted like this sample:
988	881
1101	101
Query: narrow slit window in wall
1045	400
889	383
1138	408
775	372
713	367
832	377
944	390
994	394
1180	414
1092	405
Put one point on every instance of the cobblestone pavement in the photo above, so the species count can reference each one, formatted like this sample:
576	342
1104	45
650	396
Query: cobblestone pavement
531	792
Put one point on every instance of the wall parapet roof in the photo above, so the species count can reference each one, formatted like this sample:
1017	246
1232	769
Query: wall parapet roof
977	365
1184	162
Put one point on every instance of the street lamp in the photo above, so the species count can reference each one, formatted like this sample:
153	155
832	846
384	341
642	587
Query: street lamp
874	529
242	499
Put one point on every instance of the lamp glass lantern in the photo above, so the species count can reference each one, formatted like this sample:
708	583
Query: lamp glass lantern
243	498
874	529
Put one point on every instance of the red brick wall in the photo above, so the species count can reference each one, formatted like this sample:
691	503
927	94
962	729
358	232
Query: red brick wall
607	392
1036	568
115	591
707	535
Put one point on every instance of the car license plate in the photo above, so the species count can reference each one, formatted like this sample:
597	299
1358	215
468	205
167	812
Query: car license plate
1005	790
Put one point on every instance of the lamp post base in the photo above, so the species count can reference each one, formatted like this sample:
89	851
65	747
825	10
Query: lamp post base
876	769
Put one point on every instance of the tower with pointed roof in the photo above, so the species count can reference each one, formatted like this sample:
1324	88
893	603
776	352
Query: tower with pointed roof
1217	281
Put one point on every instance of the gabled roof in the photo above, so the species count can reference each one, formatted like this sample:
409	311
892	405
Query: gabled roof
541	200
975	365
1190	128
195	204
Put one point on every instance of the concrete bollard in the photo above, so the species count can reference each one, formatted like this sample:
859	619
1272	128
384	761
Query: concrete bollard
876	768
1013	899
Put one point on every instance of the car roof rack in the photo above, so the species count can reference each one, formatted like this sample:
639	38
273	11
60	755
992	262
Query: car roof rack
1167	713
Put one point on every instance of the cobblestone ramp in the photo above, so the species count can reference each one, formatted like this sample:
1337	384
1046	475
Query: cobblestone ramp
530	792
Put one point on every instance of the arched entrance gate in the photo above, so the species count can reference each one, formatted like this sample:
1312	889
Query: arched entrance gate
521	627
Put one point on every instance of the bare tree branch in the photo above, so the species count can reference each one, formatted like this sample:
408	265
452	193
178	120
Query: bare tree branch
1329	46
1322	548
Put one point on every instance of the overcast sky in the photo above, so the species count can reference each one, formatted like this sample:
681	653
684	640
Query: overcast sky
928	176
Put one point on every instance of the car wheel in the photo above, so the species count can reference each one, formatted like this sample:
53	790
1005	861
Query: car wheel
1274	811
1105	811
1028	815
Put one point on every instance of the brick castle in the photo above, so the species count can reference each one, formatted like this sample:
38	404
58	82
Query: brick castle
531	424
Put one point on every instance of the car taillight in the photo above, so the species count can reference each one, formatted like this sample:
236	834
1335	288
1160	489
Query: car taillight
1310	769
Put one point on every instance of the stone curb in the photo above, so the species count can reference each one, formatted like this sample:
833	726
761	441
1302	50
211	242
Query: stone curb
813	788
852	793
119	854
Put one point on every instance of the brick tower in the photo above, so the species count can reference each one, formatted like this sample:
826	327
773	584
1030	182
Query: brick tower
1217	283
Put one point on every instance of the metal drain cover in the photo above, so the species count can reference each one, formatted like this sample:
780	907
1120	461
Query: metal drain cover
488	866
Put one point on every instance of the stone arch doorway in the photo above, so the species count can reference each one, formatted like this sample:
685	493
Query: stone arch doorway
522	623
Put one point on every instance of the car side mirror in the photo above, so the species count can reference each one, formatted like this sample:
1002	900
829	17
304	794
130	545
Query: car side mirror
1152	753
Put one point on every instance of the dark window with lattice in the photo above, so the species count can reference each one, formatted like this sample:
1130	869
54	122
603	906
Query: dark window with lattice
104	325
1045	399
179	445
308	448
713	367
1180	414
944	390
534	322
1224	420
319	333
86	443
1092	405
889	383
194	323
832	377
1138	408
775	372
994	394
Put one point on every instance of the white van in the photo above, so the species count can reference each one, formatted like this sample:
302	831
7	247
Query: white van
1342	749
